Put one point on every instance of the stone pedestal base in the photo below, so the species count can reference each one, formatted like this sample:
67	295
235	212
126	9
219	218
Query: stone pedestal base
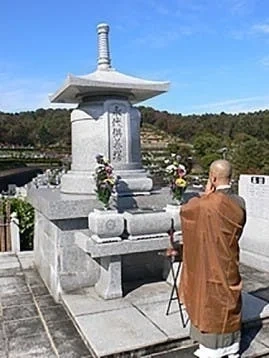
62	265
109	284
133	182
78	182
130	183
65	265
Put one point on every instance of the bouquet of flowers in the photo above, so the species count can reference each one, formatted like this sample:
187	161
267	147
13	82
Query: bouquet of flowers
104	179
175	173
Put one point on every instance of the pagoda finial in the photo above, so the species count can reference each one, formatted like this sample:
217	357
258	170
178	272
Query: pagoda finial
104	62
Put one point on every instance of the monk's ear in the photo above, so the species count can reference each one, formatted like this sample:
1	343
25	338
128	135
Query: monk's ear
213	179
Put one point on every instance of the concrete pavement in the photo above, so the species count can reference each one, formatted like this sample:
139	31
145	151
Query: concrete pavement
33	325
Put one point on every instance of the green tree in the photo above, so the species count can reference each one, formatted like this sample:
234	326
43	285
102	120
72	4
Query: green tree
250	155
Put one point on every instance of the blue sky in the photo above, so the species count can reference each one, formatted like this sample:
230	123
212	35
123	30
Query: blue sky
215	53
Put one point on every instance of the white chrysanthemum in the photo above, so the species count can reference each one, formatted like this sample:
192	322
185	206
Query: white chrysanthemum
171	168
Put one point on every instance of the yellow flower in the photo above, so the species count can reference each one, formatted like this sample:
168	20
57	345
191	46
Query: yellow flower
110	181
180	182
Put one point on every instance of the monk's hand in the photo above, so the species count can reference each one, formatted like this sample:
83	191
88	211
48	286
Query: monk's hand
209	189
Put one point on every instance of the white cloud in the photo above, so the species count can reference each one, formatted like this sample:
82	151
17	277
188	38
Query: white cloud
247	104
261	28
264	61
238	6
254	30
24	94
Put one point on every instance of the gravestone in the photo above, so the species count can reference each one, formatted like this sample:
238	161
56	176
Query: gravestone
255	240
104	122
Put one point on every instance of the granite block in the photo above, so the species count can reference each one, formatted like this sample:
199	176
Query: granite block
17	300
24	327
77	280
27	263
147	223
55	205
87	301
120	248
255	248
186	352
19	312
263	334
2	335
54	314
40	290
119	331
73	259
170	324
12	280
46	301
30	346
63	330
3	347
106	224
13	289
109	284
149	293
9	272
9	265
71	348
33	278
67	238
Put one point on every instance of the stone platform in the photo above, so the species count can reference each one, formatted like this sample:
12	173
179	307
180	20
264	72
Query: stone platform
33	325
137	326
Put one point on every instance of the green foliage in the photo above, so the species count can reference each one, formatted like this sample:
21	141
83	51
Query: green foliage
206	143
208	133
39	128
206	149
25	215
104	180
250	155
207	159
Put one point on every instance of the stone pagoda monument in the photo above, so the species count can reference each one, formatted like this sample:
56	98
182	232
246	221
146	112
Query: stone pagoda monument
76	243
106	122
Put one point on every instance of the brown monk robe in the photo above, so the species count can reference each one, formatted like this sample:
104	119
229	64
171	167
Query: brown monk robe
210	286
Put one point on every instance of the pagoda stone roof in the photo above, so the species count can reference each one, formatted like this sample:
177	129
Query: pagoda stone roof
106	81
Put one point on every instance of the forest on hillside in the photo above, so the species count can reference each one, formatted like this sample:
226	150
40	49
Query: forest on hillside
243	138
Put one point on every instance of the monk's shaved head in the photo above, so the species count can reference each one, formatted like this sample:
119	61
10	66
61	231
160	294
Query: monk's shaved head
221	169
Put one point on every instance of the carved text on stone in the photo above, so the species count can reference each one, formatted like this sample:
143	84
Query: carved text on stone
117	134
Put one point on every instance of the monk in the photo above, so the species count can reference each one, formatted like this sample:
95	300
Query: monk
210	286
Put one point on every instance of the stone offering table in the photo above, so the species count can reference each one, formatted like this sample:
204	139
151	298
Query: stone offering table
113	235
109	284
